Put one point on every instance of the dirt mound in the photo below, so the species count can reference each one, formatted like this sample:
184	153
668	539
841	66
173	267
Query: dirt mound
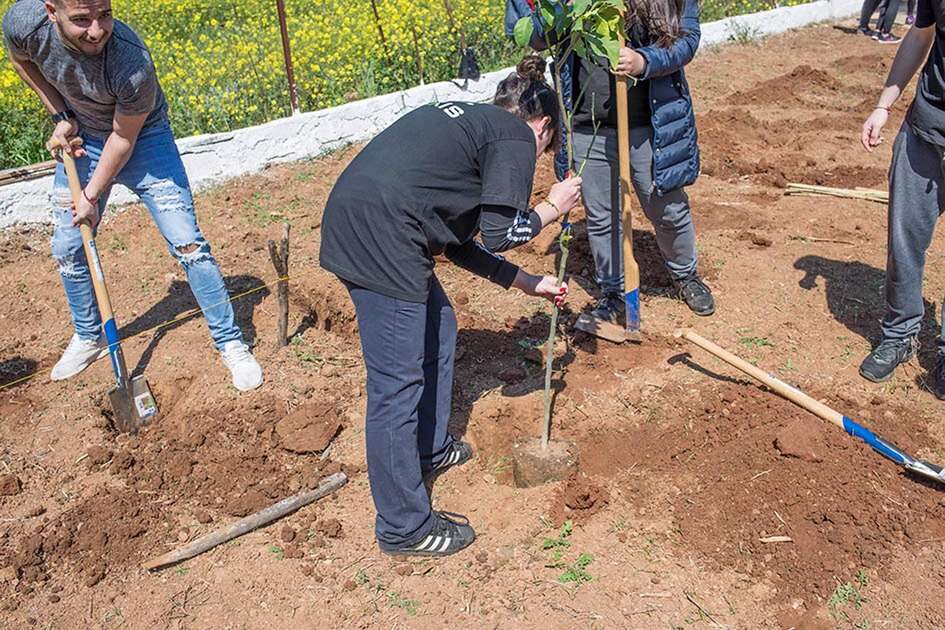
111	527
577	500
874	65
793	88
851	510
175	474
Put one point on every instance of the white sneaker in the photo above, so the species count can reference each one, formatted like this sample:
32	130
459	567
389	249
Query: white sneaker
247	374
79	354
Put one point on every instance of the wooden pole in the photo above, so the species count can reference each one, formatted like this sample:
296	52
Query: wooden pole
631	270
280	260
287	55
248	523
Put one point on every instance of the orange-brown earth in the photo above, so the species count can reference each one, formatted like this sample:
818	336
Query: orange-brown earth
684	466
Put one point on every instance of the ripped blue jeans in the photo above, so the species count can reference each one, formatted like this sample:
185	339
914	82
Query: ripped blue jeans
156	174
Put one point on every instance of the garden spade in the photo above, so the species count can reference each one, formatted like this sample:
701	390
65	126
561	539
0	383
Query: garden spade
631	271
132	403
879	444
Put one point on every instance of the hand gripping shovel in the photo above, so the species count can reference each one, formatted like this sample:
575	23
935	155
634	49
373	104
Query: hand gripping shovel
132	403
631	271
881	446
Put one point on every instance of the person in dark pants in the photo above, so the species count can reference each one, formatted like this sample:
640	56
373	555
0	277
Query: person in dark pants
916	190
425	187
888	10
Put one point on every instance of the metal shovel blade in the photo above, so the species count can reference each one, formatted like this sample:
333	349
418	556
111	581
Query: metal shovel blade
926	469
600	328
133	405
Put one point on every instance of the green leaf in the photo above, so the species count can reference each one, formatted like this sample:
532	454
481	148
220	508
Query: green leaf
596	44
612	48
523	31
580	49
547	17
580	6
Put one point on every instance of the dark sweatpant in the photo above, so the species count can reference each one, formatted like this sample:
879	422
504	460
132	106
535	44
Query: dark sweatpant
916	201
888	10
408	349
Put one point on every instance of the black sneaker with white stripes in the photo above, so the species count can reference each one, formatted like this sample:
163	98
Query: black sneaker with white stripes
450	533
458	454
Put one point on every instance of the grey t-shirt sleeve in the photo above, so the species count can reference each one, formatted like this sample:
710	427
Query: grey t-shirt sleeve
19	22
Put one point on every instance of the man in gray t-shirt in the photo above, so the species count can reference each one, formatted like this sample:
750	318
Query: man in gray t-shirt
113	72
96	79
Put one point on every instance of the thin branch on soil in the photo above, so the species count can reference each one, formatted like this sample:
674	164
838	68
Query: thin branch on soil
814	239
705	612
763	472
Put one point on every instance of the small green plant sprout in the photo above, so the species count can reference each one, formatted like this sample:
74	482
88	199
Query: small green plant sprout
577	572
755	342
862	578
277	551
591	29
410	606
558	545
846	593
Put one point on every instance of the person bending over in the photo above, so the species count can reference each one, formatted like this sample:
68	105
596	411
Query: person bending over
422	188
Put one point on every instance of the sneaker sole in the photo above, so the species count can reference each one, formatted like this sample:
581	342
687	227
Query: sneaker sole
406	553
877	380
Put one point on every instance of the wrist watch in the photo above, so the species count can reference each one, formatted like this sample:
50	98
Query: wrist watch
66	114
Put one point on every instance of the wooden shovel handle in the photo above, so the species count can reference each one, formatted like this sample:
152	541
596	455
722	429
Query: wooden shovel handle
794	395
88	239
631	270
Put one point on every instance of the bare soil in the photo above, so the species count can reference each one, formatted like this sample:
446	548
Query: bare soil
700	499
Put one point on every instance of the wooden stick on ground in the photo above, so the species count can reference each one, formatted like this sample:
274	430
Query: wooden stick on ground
248	524
280	260
879	196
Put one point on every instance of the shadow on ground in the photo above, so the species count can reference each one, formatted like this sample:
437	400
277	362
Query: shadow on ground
856	299
180	300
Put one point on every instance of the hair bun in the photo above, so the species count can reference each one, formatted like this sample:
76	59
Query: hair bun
532	68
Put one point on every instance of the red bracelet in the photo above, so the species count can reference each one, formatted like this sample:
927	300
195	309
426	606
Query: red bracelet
95	202
888	109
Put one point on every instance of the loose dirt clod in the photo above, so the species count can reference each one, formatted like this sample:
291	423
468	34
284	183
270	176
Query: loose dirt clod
288	534
330	527
309	429
99	455
9	485
533	465
578	500
802	439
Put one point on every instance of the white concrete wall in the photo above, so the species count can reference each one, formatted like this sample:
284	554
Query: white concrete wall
213	158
